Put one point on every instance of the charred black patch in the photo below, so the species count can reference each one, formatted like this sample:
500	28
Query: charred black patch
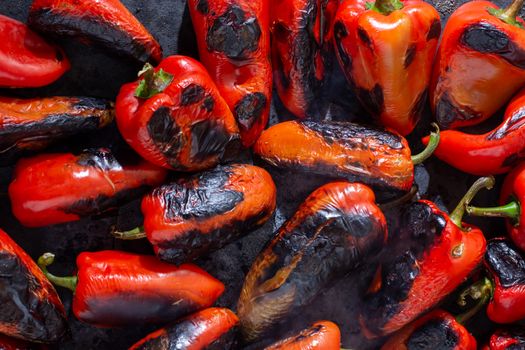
435	30
249	109
515	122
234	33
203	6
447	111
208	138
419	106
191	94
101	158
435	334
208	104
371	99
340	32
505	261
511	160
410	54
363	36
165	134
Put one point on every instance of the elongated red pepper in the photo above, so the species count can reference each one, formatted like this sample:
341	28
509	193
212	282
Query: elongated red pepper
234	45
174	116
29	305
507	339
386	49
212	328
114	288
480	63
322	335
27	59
107	23
50	189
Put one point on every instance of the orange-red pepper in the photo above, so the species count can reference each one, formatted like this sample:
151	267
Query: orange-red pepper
322	335
508	339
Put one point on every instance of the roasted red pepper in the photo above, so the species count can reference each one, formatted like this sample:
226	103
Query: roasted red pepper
234	45
334	231
386	49
27	59
50	189
107	23
512	339
114	288
322	335
174	116
480	63
7	343
212	328
29	305
199	214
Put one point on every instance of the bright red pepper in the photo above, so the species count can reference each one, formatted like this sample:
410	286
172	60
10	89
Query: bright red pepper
322	335
27	59
507	339
386	49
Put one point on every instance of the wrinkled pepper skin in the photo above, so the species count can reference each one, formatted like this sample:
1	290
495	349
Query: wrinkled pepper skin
27	59
106	23
438	329
29	305
50	189
186	127
336	149
387	58
212	328
334	231
495	152
433	257
33	123
512	339
233	37
206	211
480	65
322	335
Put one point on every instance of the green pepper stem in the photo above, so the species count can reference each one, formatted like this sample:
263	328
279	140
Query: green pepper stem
69	282
510	210
386	7
509	13
152	82
457	215
480	291
433	142
136	233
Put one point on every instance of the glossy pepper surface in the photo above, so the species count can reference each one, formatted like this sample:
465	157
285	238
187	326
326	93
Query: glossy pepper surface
174	116
106	23
234	45
50	189
334	231
322	335
509	339
480	63
212	328
29	305
114	288
27	59
386	49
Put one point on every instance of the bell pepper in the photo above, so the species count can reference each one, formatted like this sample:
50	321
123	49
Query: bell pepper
50	189
332	233
115	289
480	63
29	305
106	23
202	213
322	335
27	59
174	116
210	328
507	339
234	45
386	49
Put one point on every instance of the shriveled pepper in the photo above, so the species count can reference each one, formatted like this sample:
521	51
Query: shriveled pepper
480	63
114	288
212	328
106	23
174	116
27	59
50	189
322	335
507	339
386	49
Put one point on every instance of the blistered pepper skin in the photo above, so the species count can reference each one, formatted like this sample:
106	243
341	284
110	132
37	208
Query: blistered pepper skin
206	211
27	59
29	305
106	23
186	127
479	66
511	339
387	58
513	189
212	328
233	37
335	230
50	189
322	335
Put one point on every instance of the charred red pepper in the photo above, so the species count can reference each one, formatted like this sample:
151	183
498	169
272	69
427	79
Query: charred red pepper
322	335
480	63
386	49
115	289
199	214
507	340
212	328
234	45
50	189
174	116
27	59
7	343
29	305
334	231
107	23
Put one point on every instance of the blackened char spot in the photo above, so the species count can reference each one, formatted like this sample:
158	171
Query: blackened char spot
249	109
59	55
506	262
410	54
435	30
515	122
191	94
340	32
165	134
435	334
208	139
418	107
363	35
208	104
447	112
203	6
101	158
234	33
372	99
511	160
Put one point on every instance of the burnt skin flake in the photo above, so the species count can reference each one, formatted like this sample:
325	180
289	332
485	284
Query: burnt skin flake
248	110
435	334
165	133
506	263
341	32
191	94
434	31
